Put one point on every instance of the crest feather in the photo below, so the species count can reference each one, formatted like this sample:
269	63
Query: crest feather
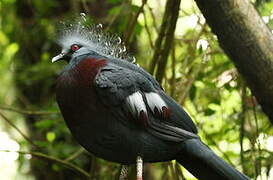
93	36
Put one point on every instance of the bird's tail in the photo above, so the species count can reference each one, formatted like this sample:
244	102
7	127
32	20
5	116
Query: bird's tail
203	163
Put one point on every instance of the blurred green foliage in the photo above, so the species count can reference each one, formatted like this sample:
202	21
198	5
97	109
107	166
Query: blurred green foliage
198	75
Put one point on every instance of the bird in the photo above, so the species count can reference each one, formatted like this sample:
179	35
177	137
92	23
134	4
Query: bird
119	112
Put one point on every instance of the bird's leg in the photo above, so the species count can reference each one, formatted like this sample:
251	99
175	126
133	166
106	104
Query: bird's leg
139	167
124	172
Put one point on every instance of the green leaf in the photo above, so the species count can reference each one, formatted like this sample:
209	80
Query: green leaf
44	124
50	136
209	112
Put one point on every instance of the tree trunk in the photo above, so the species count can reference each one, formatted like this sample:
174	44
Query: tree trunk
247	41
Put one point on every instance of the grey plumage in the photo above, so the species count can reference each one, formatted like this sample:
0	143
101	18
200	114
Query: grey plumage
120	79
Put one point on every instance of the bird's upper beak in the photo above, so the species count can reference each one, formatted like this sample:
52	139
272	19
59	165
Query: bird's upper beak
60	56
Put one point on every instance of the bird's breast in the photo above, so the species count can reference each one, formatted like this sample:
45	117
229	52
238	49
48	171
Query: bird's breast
75	92
81	108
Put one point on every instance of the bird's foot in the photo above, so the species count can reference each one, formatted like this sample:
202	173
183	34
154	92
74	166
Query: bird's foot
124	172
139	168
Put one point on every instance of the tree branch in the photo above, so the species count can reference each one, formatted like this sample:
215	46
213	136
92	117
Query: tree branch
217	147
242	128
17	129
28	112
148	31
165	39
247	41
54	159
75	154
132	23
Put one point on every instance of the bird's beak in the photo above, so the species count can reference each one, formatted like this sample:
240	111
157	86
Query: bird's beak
60	56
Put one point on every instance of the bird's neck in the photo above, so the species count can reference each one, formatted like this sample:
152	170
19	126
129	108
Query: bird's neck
88	68
82	73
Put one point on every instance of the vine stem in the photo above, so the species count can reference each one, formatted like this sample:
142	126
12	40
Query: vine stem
54	159
28	112
17	129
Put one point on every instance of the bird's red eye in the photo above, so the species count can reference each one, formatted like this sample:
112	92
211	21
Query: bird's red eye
74	47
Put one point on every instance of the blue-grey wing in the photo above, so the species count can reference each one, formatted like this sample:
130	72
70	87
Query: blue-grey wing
135	94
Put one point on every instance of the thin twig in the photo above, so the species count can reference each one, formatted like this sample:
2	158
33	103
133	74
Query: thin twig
54	159
17	129
173	80
148	31
159	40
242	128
190	80
154	19
217	147
132	23
75	154
28	112
93	167
116	15
257	137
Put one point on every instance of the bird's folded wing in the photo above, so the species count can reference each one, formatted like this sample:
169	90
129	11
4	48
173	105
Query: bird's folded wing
133	92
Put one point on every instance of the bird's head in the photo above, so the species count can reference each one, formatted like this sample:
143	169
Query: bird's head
75	42
72	49
78	40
